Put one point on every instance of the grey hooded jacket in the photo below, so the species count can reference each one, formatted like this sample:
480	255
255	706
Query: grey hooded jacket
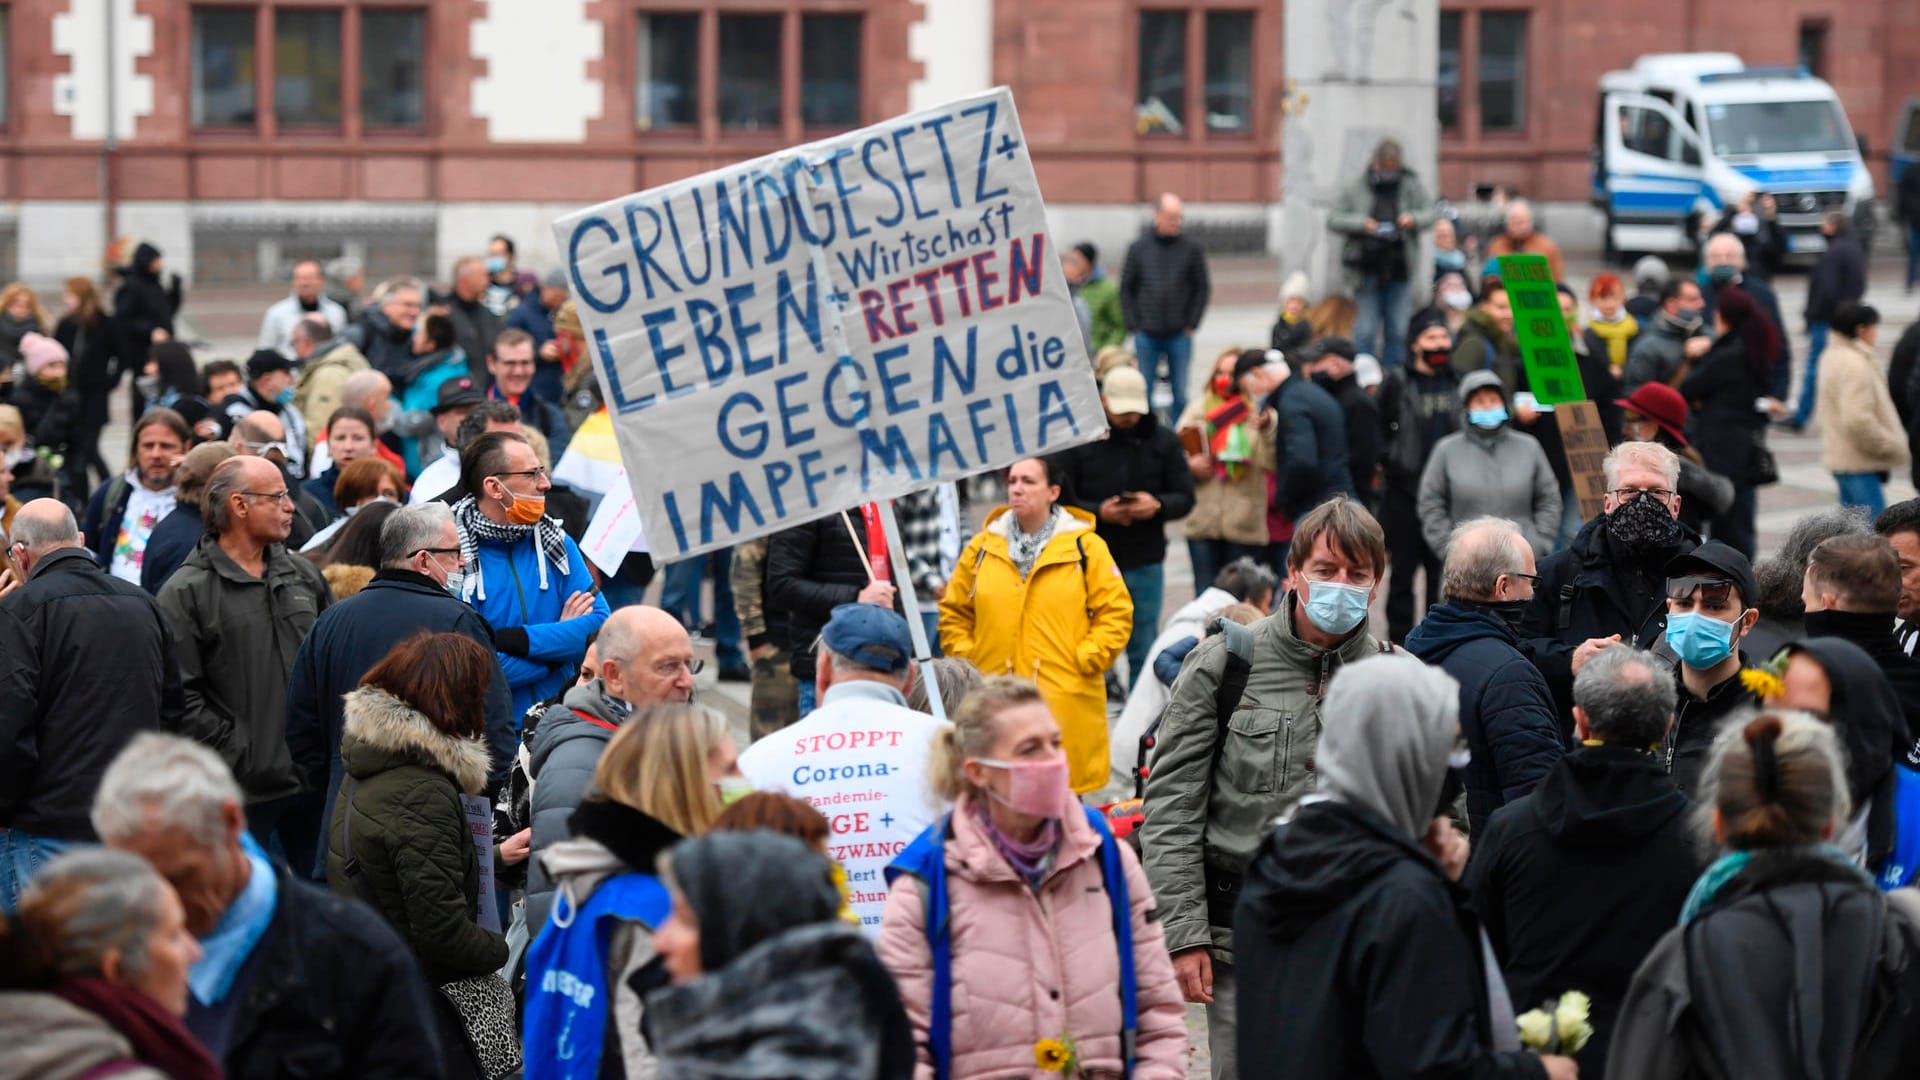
566	748
1500	473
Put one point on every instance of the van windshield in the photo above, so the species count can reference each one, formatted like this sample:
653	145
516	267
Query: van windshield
1777	127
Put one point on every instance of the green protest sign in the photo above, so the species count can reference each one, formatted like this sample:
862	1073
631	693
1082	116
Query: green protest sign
1552	372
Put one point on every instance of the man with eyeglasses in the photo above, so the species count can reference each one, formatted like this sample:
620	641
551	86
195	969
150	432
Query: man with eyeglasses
645	659
512	366
524	574
1506	710
239	607
1709	609
1610	583
414	592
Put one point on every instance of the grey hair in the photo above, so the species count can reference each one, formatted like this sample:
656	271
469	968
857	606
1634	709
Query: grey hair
1738	249
1779	576
411	528
1473	569
163	780
39	532
392	285
1648	454
344	267
1799	732
1627	695
1245	579
228	477
121	906
956	679
313	329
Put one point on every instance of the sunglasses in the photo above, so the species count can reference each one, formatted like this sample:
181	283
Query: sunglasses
1713	591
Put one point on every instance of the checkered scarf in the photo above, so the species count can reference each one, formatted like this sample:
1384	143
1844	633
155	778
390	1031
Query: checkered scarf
475	526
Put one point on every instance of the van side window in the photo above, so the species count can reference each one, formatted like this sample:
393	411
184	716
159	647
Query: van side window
1645	131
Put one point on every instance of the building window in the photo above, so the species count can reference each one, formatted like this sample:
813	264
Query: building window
1503	70
830	71
1813	47
1161	104
750	72
223	68
666	83
1449	83
306	68
1229	71
393	46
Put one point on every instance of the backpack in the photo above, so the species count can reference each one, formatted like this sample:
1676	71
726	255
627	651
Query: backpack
926	859
1226	697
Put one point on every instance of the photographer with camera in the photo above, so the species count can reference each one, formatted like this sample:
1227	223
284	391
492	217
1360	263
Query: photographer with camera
1381	215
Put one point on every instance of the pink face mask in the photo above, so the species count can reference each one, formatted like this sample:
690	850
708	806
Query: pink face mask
1038	788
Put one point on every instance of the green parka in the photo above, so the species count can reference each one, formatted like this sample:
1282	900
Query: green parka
409	834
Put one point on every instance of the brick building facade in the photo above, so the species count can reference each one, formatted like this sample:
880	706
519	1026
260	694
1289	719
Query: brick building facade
247	132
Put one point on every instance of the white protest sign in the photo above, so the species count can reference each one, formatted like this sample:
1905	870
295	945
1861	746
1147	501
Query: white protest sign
615	529
836	323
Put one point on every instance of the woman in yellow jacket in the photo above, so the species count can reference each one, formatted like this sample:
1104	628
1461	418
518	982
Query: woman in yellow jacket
1036	594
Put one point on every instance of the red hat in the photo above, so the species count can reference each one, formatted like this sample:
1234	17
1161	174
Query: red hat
1661	404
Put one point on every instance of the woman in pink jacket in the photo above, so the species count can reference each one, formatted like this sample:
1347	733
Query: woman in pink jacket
1036	971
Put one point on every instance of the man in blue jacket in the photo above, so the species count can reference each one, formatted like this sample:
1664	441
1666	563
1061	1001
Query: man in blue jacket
1506	710
525	575
1311	456
413	593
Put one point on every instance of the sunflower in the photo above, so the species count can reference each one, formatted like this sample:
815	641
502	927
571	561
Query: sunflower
1764	684
1052	1055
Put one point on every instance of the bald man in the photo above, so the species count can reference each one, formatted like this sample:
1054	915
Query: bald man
645	658
61	723
1164	289
1506	710
1520	238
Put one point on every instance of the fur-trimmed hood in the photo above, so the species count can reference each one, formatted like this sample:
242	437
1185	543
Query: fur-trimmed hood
382	732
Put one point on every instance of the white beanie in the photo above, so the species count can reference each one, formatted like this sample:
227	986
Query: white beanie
1295	285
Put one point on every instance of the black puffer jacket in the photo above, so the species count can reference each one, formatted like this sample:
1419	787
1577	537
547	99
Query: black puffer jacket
1357	958
416	859
336	996
1506	711
1164	285
812	569
1310	455
93	351
387	347
61	722
1606	826
1146	457
142	304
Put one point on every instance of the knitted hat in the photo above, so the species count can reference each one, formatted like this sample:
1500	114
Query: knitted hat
39	350
1296	285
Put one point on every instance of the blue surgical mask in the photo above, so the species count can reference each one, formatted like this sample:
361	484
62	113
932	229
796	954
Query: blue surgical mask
284	397
1487	418
1699	640
496	263
1336	608
1450	260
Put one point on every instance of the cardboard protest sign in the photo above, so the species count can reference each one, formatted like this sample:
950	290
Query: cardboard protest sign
1585	443
1553	374
836	323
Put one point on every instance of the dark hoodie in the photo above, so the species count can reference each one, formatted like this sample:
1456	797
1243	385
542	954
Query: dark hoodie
1867	716
1360	959
1873	633
1506	710
787	990
1145	457
1606	826
142	304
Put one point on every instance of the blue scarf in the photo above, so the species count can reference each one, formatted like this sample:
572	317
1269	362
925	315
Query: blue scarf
224	951
1729	866
568	999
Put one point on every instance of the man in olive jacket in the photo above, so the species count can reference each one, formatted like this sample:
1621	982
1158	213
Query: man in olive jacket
1210	802
238	609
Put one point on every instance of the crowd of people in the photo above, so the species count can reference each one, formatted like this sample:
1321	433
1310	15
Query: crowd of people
389	779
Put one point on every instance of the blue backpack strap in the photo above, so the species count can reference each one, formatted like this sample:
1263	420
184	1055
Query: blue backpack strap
1115	874
1904	860
926	859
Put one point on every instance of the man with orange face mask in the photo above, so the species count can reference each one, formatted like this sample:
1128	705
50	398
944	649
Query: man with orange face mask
523	573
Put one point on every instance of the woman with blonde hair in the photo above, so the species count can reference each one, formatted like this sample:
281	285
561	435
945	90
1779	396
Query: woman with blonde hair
1019	930
1333	316
21	313
667	775
1788	960
1036	593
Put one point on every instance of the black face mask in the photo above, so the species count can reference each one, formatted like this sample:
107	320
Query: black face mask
1450	790
1644	526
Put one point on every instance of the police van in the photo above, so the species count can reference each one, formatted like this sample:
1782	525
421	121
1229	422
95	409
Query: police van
1682	135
